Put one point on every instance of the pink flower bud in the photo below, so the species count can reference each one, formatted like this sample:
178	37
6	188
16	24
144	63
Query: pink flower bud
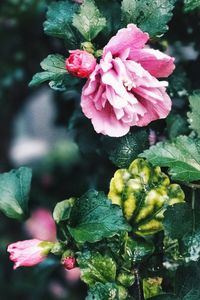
73	274
80	63
69	263
152	137
41	225
29	252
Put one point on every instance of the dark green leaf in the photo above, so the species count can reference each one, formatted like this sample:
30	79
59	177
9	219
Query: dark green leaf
62	210
187	283
176	125
94	217
165	297
122	151
194	115
14	192
176	214
182	157
188	233
54	71
108	291
190	5
136	249
59	22
96	268
89	21
151	16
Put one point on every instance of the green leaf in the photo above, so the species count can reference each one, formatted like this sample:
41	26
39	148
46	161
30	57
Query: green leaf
182	156
122	151
111	10
137	249
59	22
54	71
165	297
190	5
89	21
151	16
176	125
194	115
186	284
14	192
188	233
96	268
152	287
179	213
94	217
108	291
62	210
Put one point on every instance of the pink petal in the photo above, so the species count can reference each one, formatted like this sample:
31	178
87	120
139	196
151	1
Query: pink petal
131	37
155	110
155	62
104	121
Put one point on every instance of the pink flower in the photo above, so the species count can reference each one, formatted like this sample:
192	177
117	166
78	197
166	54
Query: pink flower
80	63
69	262
123	90
41	225
29	252
73	274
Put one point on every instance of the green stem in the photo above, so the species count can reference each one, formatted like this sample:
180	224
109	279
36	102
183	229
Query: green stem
191	185
193	209
138	282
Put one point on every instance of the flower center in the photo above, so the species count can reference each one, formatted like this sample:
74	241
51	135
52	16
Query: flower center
128	84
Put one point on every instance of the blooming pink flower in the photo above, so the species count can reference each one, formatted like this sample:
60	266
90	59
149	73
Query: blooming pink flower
69	262
27	253
41	225
123	90
80	63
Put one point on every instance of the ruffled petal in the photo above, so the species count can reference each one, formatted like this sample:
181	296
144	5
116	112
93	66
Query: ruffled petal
104	121
155	109
131	37
155	62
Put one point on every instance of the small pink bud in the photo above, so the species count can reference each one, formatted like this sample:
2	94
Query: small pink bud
73	274
29	252
152	137
41	225
80	63
69	262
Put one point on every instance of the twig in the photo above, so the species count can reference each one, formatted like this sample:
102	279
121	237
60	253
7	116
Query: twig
138	282
194	186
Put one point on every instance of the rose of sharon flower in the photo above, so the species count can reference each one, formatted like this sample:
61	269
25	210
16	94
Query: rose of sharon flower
29	252
123	90
80	63
41	225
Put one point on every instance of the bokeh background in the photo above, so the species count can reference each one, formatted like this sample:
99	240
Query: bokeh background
44	129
